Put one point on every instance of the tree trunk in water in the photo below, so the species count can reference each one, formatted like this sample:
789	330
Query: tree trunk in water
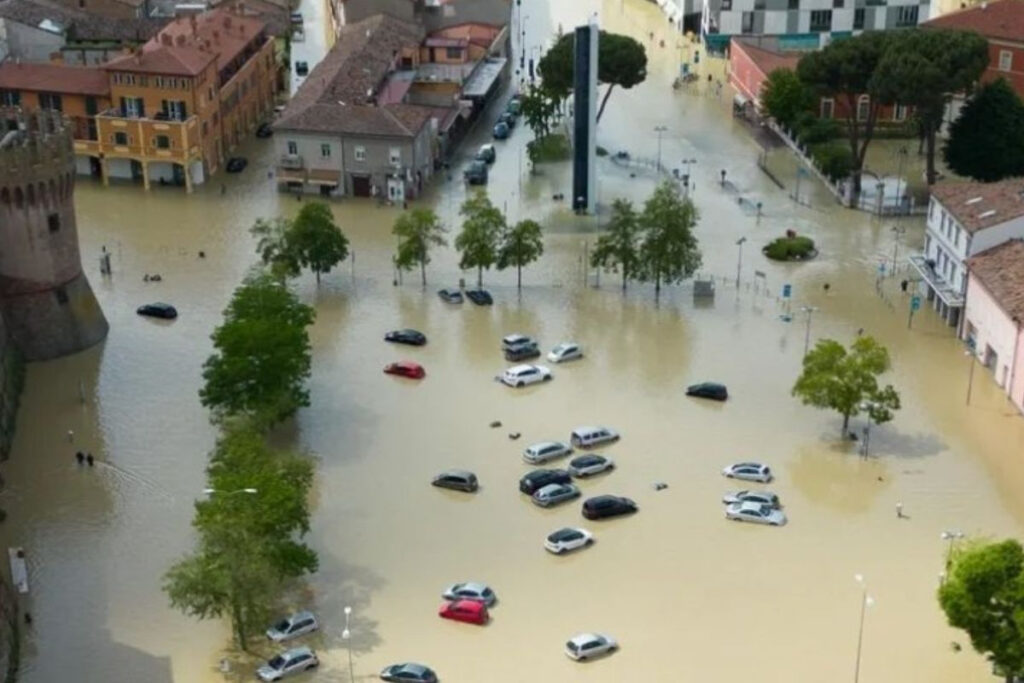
846	423
657	285
604	101
238	624
519	277
317	272
479	276
423	273
930	139
623	280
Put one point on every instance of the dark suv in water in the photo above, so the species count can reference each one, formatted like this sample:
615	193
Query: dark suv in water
538	479
522	352
607	506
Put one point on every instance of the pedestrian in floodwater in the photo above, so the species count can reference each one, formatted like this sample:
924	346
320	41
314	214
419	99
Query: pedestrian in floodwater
71	435
202	254
826	287
89	459
899	510
80	457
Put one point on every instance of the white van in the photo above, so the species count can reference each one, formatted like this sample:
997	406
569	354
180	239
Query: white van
585	437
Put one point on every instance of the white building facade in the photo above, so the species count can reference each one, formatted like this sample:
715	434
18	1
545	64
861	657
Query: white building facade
964	219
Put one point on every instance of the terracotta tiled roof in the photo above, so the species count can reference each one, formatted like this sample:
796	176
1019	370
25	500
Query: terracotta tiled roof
1003	20
188	44
80	25
476	33
767	60
57	78
977	206
339	94
1001	271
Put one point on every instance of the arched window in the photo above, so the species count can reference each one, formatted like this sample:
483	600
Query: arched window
863	107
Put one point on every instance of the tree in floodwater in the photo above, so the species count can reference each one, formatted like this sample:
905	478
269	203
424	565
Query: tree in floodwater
619	246
521	245
417	231
668	247
482	228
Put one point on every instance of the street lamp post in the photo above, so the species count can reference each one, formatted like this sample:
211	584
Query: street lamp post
686	174
865	602
952	536
898	231
739	260
809	310
346	635
970	374
659	130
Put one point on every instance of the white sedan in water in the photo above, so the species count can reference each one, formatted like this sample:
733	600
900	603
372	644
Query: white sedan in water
569	538
565	351
759	513
587	645
521	375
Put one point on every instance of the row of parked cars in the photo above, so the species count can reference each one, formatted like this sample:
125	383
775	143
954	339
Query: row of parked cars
481	297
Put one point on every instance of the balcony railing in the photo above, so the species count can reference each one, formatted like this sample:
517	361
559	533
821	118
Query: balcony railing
157	117
950	295
292	162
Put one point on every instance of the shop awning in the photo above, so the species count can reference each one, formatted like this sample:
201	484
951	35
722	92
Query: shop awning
324	176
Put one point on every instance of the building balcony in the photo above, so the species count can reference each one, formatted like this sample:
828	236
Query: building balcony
947	293
292	162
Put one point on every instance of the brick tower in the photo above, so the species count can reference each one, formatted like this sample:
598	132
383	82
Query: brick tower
47	304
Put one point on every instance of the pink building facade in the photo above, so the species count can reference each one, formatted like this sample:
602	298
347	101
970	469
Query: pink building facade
994	315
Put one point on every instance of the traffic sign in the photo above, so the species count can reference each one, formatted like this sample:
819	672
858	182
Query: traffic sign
787	291
915	303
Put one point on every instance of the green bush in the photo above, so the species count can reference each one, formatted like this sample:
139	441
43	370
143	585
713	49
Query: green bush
834	159
552	147
803	121
790	248
820	130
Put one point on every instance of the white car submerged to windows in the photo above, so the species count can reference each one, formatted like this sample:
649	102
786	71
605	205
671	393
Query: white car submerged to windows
521	375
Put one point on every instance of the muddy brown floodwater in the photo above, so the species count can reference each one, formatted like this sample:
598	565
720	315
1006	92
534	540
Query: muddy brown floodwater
688	595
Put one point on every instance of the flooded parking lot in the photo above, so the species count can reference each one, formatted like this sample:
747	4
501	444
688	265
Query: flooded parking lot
688	595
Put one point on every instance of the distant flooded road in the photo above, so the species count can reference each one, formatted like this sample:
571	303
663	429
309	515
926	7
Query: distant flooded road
688	595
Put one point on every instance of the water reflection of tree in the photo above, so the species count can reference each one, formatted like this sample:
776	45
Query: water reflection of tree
840	481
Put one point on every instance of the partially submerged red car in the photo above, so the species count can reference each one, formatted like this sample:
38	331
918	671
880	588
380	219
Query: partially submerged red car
469	611
405	368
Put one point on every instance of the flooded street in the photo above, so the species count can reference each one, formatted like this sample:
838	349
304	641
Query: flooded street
689	596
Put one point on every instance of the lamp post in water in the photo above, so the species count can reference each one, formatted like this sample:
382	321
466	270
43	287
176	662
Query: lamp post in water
346	635
865	602
739	261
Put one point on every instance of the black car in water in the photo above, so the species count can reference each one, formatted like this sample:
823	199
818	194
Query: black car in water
158	310
264	131
522	352
712	390
600	507
538	479
450	296
407	336
481	297
236	164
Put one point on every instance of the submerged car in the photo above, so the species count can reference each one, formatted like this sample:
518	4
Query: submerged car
476	173
500	131
553	494
407	336
759	513
301	68
600	507
405	368
298	624
537	479
521	375
567	539
585	437
158	310
508	119
511	341
587	645
544	451
590	464
514	107
481	297
712	390
762	497
565	351
456	480
288	663
236	164
409	672
522	352
470	590
749	471
486	154
450	296
468	611
264	131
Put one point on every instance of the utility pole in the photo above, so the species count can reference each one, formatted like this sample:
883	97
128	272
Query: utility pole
739	261
809	310
659	130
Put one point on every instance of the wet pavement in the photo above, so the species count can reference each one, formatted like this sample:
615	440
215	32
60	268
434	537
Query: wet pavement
688	595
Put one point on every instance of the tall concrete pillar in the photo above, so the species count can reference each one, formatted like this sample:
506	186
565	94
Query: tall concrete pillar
584	168
48	305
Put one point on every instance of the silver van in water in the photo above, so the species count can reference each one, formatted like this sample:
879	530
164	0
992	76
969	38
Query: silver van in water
585	437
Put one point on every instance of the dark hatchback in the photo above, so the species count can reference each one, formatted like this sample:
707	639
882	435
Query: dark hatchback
712	390
522	352
410	337
537	479
600	507
481	297
158	310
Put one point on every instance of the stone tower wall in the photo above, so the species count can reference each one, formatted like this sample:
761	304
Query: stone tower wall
49	307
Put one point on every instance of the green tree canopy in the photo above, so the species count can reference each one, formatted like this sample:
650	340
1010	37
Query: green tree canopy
924	69
986	142
417	230
847	380
668	247
482	228
845	70
316	240
273	248
247	540
984	595
540	110
785	96
619	246
521	245
261	354
621	61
